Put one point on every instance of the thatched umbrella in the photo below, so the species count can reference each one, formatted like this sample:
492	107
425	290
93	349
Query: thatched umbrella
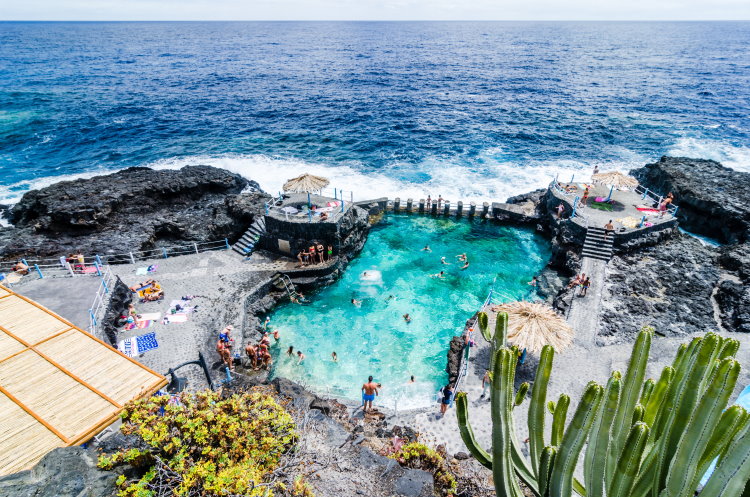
306	183
531	326
615	179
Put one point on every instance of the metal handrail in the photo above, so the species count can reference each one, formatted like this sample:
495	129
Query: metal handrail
101	299
464	367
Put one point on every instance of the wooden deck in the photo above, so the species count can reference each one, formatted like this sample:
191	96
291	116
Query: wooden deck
59	385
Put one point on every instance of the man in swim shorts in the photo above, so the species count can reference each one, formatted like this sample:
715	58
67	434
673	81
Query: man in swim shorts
369	391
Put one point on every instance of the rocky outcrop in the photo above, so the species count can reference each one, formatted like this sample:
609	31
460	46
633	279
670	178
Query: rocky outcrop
521	209
668	286
712	199
130	210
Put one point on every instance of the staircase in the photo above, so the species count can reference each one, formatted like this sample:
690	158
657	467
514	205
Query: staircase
596	246
246	244
283	282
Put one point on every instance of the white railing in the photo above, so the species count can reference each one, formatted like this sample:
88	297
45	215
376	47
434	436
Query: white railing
101	300
656	198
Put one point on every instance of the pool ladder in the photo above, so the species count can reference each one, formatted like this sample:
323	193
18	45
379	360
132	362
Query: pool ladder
283	280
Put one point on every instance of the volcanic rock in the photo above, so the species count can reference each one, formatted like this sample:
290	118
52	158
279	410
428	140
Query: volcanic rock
131	210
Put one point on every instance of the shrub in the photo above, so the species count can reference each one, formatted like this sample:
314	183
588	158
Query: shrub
204	445
418	456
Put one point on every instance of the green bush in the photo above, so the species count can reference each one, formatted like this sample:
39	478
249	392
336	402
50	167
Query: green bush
418	456
204	445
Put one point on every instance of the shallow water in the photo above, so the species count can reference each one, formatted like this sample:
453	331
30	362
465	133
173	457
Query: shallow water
374	339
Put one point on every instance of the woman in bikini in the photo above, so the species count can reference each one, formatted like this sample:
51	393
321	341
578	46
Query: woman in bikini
321	255
311	250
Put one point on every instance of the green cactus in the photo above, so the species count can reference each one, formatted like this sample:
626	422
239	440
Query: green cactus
484	321
645	438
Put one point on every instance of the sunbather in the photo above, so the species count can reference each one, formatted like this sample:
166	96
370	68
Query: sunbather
20	268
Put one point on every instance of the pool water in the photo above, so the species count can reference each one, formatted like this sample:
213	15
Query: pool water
391	277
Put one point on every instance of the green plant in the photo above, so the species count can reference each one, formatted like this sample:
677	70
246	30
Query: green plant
645	438
418	456
205	445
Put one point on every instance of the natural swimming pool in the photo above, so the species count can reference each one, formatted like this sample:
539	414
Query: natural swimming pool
373	338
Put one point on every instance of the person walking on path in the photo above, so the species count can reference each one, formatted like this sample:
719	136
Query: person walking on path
609	228
585	286
485	384
369	391
447	398
585	197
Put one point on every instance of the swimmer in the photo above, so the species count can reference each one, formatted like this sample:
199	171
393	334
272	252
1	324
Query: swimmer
290	351
389	298
276	335
465	265
442	259
300	357
334	356
265	323
440	275
533	281
412	380
407	318
356	303
426	249
461	257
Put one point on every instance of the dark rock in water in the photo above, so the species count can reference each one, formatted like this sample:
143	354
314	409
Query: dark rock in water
131	210
64	472
712	199
668	286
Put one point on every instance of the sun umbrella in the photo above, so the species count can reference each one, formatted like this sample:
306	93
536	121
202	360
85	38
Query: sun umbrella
615	179
306	183
531	326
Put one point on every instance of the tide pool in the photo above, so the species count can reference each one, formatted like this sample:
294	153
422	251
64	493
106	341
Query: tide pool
394	276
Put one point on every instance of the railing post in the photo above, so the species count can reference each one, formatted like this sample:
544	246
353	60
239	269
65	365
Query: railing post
575	206
351	197
420	208
309	216
643	220
164	252
674	213
99	260
41	276
342	202
485	209
572	178
226	243
397	204
70	268
195	246
409	205
472	208
93	318
459	208
25	263
267	209
447	208
132	259
335	194
645	194
98	269
104	284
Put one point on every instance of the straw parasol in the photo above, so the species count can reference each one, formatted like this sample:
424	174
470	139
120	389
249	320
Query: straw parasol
531	326
614	179
306	183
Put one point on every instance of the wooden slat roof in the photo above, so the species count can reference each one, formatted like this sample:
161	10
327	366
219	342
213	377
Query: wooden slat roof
59	385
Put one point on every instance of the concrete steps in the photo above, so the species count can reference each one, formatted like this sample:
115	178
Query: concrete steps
596	245
246	244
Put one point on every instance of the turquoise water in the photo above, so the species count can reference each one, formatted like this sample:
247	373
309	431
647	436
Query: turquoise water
374	339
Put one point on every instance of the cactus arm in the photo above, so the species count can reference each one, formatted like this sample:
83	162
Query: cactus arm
503	474
699	365
657	396
645	479
699	429
501	330
631	388
483	321
629	462
521	465
561	483
731	474
648	388
729	348
538	406
596	451
521	394
638	412
558	419
467	434
546	463
579	488
732	420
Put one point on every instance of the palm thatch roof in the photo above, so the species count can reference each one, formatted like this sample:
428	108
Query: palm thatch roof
616	179
532	325
306	183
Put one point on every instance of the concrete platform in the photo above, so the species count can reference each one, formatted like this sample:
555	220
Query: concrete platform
71	298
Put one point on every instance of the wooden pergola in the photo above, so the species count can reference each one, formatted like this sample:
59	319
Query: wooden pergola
59	385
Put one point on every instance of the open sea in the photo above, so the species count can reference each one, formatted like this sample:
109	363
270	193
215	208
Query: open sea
466	110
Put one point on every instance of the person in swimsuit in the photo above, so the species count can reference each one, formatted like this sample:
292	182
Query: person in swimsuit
560	210
446	401
356	303
485	383
290	351
369	391
321	254
251	352
429	201
330	252
609	228
585	287
407	318
585	197
300	357
442	259
412	380
533	281
301	257
334	356
461	257
276	335
466	264
311	250
426	249
440	275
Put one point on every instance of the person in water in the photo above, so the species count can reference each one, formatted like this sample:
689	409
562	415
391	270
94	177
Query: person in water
461	257
407	318
426	249
290	351
300	357
533	281
466	264
356	303
442	259
334	356
369	391
276	335
412	380
440	275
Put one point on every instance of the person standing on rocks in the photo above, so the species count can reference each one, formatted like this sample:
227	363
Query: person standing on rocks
609	228
447	398
369	391
560	210
585	286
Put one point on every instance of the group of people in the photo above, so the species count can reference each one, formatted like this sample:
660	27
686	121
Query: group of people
224	347
583	283
149	290
315	254
259	354
21	268
462	258
438	201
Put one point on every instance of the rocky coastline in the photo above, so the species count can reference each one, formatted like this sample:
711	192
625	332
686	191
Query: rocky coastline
674	282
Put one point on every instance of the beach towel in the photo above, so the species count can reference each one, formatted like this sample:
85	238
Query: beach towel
89	270
176	318
648	210
133	347
145	323
333	204
143	271
181	303
153	316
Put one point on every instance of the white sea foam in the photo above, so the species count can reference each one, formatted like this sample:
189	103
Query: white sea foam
736	157
10	194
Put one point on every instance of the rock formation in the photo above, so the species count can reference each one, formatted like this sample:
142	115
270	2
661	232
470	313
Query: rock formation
130	210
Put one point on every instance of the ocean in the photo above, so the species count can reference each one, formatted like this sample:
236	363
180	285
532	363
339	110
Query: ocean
466	110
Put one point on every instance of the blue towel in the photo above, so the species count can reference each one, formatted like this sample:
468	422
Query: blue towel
146	342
